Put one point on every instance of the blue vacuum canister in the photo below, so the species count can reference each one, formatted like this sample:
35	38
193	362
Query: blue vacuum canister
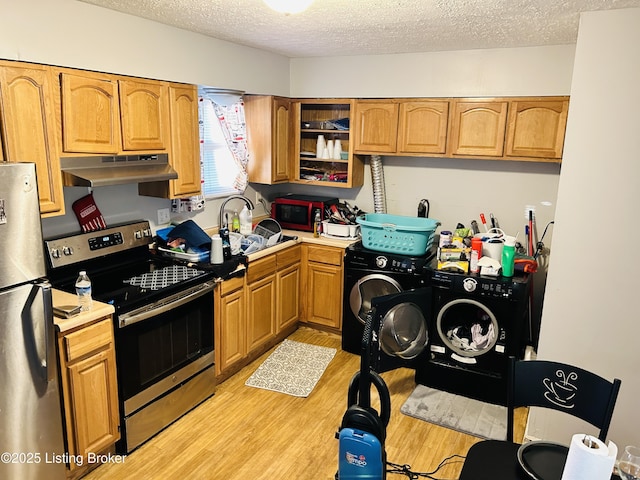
361	456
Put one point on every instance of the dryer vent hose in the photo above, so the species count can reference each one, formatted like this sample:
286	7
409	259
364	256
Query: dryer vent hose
377	180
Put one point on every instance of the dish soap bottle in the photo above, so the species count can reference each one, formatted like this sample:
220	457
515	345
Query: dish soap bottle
83	290
235	223
246	221
317	225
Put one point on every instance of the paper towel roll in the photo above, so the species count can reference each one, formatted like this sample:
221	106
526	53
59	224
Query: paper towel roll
589	459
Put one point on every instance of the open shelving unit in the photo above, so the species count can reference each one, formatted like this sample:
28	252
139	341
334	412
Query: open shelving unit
316	117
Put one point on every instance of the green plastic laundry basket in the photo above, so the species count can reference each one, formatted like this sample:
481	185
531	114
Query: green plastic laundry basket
382	232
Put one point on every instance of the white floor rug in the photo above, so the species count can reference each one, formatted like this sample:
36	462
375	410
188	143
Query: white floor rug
457	412
293	368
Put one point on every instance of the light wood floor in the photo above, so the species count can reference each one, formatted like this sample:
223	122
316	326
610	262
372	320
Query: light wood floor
248	433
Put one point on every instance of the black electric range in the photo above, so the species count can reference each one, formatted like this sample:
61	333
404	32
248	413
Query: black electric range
123	271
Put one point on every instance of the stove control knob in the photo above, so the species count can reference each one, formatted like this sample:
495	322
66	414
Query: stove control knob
470	284
381	261
147	232
67	251
55	253
138	234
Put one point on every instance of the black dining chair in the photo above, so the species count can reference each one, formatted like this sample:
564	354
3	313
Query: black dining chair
542	383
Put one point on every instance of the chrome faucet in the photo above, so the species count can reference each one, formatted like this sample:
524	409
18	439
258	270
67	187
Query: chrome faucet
232	197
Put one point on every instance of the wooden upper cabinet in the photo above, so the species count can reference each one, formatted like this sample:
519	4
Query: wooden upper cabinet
375	126
478	127
144	113
422	126
332	119
185	140
268	137
403	127
281	136
90	114
536	127
106	114
28	128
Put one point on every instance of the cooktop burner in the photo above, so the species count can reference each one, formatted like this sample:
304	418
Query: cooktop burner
164	277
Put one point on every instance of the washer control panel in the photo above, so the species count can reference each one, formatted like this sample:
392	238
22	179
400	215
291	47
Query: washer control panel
478	286
386	262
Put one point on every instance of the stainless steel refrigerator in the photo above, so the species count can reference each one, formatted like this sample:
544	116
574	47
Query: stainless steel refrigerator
31	440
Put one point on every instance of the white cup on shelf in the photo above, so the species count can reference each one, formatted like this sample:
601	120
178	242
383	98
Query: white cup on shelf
337	149
330	148
320	146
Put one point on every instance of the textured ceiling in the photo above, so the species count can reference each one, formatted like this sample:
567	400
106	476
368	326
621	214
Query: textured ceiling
363	27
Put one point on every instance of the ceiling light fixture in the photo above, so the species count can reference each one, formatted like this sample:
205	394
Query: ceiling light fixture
289	6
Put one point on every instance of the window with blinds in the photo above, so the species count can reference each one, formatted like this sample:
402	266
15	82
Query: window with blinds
223	149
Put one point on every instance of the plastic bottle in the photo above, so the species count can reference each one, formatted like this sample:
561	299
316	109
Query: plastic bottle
246	221
508	256
83	290
476	253
235	223
226	243
316	225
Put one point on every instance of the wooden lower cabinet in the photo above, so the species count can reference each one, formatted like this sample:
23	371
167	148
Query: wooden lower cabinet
261	311
254	312
288	299
90	392
288	288
323	286
229	325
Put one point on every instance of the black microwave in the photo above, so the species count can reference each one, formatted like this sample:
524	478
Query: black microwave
298	212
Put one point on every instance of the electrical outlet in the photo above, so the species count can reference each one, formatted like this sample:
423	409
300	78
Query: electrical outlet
527	209
164	216
259	197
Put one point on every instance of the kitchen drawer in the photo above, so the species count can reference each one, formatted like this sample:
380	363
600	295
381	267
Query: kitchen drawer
261	268
289	256
328	255
88	340
231	285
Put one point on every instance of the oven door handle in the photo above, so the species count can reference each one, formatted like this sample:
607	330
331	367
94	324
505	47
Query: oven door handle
165	305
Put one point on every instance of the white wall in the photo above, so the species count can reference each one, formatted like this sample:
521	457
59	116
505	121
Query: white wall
75	34
499	72
590	318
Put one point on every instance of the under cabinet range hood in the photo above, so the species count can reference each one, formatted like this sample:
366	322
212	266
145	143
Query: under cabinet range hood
97	171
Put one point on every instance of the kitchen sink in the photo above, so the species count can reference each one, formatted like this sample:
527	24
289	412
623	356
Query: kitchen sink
267	250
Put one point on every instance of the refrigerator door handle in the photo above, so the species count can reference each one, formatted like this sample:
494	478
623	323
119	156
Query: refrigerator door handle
49	333
38	329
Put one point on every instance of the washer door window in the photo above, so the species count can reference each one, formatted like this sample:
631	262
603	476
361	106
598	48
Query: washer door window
368	287
403	331
467	327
